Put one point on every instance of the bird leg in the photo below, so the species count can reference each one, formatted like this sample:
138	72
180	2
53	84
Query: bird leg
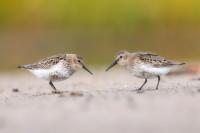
142	85
158	83
52	86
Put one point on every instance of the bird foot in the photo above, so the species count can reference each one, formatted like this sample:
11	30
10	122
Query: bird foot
57	92
140	91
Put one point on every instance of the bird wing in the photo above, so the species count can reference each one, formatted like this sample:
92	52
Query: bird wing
48	62
154	59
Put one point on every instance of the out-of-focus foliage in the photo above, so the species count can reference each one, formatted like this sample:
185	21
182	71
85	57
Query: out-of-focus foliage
97	29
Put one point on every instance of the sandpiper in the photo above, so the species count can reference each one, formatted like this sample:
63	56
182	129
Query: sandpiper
56	68
145	65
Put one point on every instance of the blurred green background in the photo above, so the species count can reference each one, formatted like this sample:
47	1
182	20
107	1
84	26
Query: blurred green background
97	29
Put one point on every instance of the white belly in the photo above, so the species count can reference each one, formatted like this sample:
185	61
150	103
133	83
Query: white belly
55	73
156	70
148	71
41	73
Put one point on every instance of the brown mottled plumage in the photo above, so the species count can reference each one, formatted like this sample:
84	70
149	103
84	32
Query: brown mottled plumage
56	68
144	65
155	60
45	63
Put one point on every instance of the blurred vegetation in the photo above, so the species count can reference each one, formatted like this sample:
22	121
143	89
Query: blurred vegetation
97	29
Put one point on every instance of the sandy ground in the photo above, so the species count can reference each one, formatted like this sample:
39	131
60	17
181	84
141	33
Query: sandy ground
107	104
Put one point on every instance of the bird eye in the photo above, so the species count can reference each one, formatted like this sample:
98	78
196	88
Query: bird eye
121	56
79	61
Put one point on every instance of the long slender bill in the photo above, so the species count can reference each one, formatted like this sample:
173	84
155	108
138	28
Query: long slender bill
84	67
112	65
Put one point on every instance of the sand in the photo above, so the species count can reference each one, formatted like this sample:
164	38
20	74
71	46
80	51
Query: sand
103	103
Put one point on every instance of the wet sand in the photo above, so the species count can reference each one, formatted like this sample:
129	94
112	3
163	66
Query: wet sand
103	103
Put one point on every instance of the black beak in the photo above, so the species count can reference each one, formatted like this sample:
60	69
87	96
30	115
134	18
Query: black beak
84	67
112	65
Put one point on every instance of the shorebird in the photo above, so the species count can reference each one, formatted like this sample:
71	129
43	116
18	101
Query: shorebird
145	65
56	68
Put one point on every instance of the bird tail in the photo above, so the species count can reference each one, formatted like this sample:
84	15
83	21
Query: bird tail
19	67
25	67
183	63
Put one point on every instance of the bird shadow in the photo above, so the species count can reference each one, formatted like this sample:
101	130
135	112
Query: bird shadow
142	91
81	93
59	93
128	90
50	93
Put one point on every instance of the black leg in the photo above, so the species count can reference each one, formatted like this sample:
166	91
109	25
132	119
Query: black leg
158	83
143	84
52	86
